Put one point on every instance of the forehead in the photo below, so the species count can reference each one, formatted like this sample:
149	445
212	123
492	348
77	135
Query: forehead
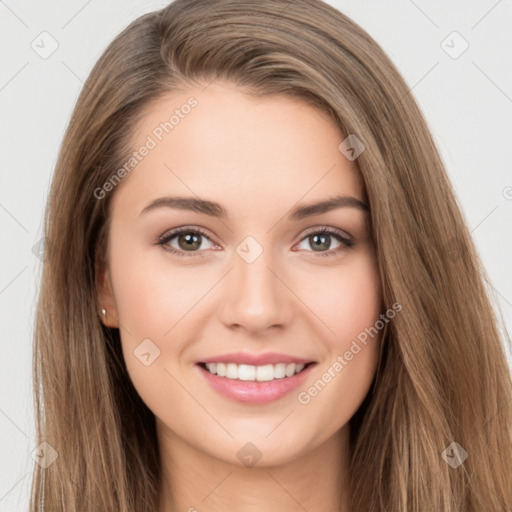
221	142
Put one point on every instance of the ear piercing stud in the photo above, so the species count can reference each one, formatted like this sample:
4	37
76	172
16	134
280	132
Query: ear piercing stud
103	311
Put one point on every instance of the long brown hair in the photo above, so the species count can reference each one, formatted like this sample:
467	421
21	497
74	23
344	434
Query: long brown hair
442	376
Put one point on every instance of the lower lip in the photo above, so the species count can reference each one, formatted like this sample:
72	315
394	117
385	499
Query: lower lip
255	392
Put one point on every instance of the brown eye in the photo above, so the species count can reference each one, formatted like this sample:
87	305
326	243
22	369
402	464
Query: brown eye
189	241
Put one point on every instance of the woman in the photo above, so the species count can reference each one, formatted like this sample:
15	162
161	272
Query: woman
196	348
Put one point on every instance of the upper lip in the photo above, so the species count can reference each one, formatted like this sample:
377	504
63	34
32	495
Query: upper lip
256	359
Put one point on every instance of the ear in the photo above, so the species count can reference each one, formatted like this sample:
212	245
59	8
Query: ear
105	294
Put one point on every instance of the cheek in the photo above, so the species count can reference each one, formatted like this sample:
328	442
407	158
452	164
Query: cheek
350	305
152	307
151	299
346	299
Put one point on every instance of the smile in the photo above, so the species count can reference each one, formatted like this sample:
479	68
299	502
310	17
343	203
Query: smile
255	384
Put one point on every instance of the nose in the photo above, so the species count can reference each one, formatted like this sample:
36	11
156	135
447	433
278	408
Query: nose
257	296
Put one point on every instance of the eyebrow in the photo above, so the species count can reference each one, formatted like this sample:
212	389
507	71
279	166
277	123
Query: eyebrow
214	209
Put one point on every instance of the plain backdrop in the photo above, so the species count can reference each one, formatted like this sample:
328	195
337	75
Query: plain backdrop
465	93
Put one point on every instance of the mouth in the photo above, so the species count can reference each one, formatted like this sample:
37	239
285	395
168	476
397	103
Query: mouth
253	373
254	385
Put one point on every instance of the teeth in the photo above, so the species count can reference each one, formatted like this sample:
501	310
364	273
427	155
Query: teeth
254	373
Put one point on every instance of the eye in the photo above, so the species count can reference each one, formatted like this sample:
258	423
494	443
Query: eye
320	240
188	240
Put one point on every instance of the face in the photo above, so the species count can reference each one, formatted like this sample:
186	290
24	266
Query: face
254	274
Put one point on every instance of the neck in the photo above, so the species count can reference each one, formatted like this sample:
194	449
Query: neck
195	481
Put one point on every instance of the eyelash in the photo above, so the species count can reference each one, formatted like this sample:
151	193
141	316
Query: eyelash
162	240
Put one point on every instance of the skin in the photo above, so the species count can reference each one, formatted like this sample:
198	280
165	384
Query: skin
259	158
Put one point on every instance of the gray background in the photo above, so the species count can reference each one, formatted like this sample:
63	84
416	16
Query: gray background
467	101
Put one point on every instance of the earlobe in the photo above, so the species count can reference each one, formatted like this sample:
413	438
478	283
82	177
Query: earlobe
106	300
107	321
